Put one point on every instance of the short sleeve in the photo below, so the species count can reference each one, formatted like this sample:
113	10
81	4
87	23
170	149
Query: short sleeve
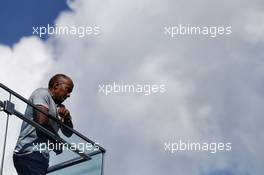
41	97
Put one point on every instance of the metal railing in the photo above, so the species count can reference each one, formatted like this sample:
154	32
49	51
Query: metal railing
8	107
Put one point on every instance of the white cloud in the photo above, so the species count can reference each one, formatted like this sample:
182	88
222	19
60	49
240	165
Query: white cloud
214	85
254	28
209	82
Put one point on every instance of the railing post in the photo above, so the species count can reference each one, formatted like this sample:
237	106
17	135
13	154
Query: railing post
102	164
4	146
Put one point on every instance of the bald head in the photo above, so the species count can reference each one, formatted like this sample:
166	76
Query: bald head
59	78
60	86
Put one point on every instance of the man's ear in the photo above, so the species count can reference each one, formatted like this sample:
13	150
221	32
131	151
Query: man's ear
56	85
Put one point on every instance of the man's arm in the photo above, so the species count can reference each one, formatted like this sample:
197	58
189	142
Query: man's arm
43	120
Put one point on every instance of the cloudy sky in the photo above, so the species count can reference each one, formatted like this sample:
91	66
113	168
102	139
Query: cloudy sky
214	85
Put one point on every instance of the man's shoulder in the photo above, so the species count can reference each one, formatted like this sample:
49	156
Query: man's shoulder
41	96
40	92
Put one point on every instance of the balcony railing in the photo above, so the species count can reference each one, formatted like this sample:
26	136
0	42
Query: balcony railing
73	161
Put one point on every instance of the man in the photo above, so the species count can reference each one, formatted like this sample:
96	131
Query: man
28	160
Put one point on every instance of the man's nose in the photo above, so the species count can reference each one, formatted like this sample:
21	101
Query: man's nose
68	95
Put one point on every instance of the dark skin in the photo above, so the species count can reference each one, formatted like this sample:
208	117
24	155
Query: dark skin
60	91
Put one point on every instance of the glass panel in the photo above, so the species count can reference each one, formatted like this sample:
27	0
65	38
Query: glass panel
91	167
12	135
20	106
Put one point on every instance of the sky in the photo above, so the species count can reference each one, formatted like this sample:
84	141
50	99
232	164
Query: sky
18	17
214	85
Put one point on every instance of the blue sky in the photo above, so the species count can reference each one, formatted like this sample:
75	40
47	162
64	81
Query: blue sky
18	17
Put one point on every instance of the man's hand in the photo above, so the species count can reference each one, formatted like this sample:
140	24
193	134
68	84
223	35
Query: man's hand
64	113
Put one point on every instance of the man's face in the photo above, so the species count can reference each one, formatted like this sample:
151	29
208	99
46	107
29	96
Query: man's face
62	90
